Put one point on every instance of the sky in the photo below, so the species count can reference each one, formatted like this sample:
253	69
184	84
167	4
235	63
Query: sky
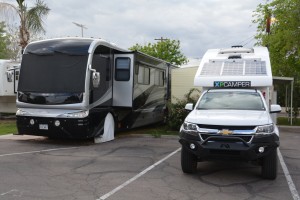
198	24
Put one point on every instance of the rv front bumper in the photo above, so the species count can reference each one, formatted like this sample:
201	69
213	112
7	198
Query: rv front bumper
55	127
224	147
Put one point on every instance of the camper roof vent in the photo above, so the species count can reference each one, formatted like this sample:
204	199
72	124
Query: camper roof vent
237	46
235	56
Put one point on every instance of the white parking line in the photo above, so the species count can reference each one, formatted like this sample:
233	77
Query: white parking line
30	152
288	177
137	176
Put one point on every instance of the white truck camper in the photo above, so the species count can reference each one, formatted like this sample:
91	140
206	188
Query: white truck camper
231	119
88	88
9	77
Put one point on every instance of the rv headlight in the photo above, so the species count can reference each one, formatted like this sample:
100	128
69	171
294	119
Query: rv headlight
21	112
189	126
80	114
265	129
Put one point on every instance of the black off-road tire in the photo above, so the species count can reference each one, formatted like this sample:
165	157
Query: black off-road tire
269	166
188	161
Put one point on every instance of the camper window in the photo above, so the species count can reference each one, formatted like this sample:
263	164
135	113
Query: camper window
17	75
122	69
159	78
144	75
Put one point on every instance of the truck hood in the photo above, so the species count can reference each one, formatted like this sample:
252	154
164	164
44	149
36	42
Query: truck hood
229	117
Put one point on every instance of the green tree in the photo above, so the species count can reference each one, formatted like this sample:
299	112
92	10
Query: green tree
279	29
4	42
283	36
31	19
168	50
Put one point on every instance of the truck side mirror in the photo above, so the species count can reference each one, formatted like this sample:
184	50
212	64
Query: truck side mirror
275	108
189	106
96	79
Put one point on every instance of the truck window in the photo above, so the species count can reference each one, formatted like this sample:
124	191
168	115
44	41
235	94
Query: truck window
231	101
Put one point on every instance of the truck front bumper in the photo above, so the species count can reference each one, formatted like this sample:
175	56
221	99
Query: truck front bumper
67	128
224	147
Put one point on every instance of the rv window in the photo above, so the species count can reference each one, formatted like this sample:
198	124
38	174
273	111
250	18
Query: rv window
122	72
144	75
159	78
17	75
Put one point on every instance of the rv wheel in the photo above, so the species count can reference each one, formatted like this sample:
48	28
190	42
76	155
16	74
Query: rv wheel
109	130
269	166
188	161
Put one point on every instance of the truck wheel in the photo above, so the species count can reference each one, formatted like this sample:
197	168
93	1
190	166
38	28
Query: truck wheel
188	161
269	166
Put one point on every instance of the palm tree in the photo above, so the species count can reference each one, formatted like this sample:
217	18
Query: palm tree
31	19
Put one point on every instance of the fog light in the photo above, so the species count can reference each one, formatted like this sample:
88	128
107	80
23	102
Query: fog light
192	146
31	121
261	149
57	123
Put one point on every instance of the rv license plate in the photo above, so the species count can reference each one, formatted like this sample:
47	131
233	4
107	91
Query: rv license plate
44	126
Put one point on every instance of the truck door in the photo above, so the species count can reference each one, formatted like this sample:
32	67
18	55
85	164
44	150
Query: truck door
123	80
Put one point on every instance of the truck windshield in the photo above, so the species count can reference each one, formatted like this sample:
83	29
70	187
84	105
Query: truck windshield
231	101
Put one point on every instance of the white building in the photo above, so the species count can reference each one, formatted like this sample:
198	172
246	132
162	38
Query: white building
183	79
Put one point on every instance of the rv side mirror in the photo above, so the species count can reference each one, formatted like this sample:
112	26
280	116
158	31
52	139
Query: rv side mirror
189	106
9	76
275	108
96	79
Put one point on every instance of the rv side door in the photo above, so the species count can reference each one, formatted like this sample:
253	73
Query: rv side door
123	80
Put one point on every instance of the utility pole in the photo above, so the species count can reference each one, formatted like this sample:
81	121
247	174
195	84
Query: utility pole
161	39
81	26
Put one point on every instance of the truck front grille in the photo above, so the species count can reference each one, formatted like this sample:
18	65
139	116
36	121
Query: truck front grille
228	133
246	138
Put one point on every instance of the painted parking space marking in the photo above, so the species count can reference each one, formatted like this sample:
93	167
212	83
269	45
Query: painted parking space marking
40	151
288	177
105	196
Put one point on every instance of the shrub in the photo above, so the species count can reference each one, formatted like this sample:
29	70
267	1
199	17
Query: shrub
177	113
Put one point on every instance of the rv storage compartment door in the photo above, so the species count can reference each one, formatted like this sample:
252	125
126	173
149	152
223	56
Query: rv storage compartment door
123	80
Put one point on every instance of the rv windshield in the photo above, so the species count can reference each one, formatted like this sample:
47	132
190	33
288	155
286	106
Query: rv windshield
52	73
231	100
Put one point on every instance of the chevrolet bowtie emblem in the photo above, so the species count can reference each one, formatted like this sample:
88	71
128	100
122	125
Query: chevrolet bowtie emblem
225	132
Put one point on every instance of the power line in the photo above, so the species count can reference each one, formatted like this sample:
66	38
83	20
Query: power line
246	39
249	41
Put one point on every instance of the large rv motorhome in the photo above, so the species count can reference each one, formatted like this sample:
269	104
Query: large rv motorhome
87	88
9	77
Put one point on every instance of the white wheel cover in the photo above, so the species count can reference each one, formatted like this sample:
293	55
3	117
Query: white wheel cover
109	130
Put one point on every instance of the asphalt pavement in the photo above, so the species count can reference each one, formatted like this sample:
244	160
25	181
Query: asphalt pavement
134	167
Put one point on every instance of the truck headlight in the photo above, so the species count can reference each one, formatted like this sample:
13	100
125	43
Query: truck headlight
189	126
80	114
265	129
21	112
